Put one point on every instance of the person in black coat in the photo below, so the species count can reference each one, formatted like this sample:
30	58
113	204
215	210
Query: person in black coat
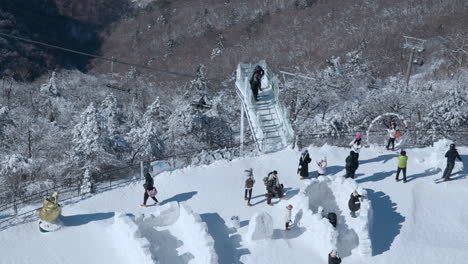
333	258
451	155
354	203
149	187
256	81
352	165
303	169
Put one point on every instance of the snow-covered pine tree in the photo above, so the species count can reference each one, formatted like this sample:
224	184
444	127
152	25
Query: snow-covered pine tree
90	140
87	184
148	138
14	169
450	112
50	87
112	115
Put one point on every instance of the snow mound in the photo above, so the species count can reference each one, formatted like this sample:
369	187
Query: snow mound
260	227
332	194
126	234
172	234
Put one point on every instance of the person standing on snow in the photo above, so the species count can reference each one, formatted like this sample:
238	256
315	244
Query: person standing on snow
273	186
402	160
150	191
322	167
356	144
333	257
451	155
304	160
287	217
354	203
352	165
392	134
256	81
249	183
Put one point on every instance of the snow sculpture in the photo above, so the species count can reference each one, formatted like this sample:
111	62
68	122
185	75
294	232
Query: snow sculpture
260	227
49	214
235	222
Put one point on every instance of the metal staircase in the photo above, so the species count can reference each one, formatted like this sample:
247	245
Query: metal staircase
268	119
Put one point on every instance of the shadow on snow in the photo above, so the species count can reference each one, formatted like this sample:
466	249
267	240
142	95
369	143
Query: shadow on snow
377	176
83	219
387	222
181	197
227	246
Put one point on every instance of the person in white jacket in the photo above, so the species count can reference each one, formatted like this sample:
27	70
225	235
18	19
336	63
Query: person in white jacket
287	217
356	144
392	131
322	167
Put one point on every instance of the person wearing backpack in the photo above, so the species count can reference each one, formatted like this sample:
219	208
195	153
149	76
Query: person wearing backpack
352	165
150	191
249	183
273	186
402	161
303	168
451	155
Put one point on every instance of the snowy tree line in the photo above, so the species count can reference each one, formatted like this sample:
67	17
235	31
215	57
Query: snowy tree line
74	122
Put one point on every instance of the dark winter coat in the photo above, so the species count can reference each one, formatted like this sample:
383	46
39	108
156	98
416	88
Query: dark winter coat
451	155
354	203
149	183
258	69
271	183
256	82
333	260
352	162
303	169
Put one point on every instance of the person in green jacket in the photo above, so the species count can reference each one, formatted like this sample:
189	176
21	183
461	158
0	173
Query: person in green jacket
402	160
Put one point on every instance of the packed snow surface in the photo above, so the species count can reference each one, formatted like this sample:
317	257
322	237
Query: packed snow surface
417	222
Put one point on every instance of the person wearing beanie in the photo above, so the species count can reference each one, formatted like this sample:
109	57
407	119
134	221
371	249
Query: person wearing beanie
451	155
333	257
356	144
249	183
304	160
287	217
402	160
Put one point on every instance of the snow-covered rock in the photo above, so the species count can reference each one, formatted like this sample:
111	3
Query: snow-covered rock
260	227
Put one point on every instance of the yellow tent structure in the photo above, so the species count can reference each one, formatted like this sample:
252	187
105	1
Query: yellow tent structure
51	209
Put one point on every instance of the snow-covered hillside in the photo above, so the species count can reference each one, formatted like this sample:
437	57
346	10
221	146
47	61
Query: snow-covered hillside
416	222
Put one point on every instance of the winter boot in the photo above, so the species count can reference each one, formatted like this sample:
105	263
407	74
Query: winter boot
270	204
143	205
156	203
249	204
396	179
245	198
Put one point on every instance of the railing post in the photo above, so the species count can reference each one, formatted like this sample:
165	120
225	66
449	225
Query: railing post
242	130
141	170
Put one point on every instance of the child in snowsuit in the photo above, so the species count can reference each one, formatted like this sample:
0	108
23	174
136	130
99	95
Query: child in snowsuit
356	145
322	167
392	135
287	217
333	258
402	160
150	191
451	155
354	203
304	160
352	165
249	183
